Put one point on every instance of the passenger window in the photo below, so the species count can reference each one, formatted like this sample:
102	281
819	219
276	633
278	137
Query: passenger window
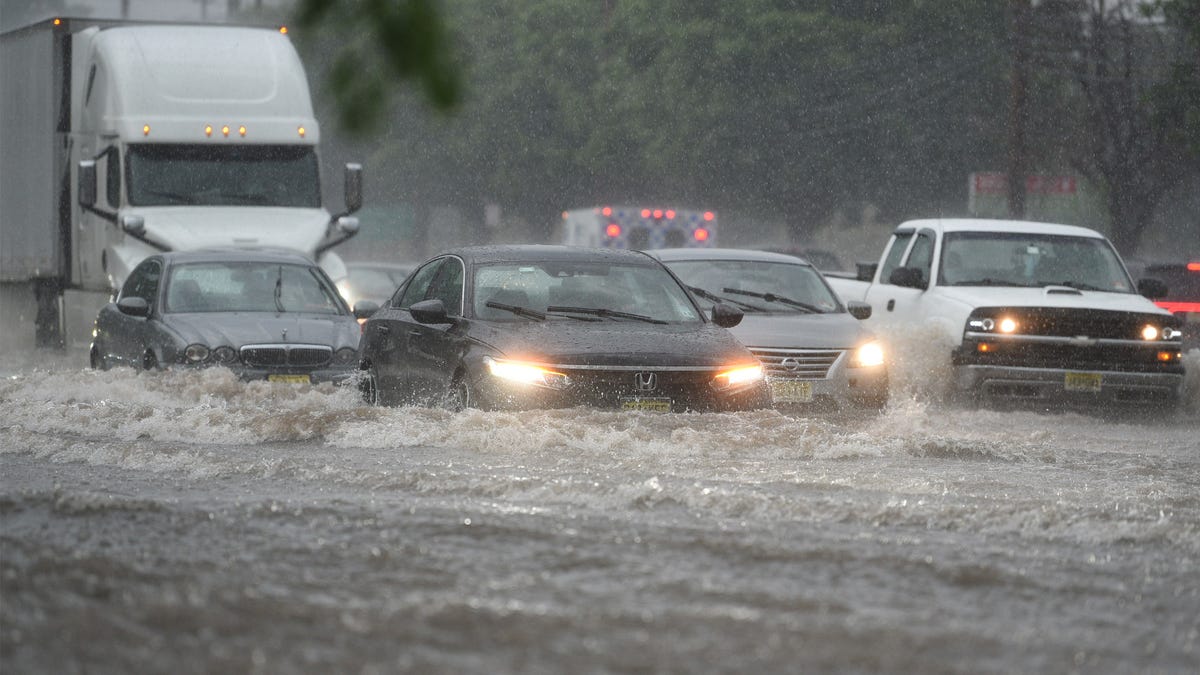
112	177
419	286
447	286
921	256
143	282
895	255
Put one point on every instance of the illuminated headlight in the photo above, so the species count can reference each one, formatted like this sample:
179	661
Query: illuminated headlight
1149	332
195	353
526	373
346	292
1007	325
345	356
738	378
867	356
224	355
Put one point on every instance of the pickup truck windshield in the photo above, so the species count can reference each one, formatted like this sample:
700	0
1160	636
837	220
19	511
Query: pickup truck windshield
230	175
1032	260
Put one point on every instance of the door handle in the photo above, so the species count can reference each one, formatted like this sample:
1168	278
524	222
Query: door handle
891	305
415	333
381	328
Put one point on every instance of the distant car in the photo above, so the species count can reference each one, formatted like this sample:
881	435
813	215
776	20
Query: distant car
515	327
1183	295
813	348
263	314
372	281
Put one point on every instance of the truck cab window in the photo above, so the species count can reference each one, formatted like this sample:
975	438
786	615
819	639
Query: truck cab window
895	255
112	176
921	256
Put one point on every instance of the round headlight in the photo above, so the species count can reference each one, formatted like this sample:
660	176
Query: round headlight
195	353
1150	332
345	356
224	355
1007	325
868	355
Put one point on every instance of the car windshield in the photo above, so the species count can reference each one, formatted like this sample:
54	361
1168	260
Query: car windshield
758	286
236	175
1030	259
250	287
570	289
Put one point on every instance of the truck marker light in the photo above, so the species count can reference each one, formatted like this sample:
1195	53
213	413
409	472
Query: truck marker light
1007	325
700	234
1149	332
300	130
613	230
1167	357
208	130
283	30
242	130
225	130
145	129
57	22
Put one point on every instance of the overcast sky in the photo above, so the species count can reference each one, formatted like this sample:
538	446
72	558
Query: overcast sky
17	13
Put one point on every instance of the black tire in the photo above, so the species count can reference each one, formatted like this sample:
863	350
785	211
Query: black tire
149	361
97	360
369	387
461	395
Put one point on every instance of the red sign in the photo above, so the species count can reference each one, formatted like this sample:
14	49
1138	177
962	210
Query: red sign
993	183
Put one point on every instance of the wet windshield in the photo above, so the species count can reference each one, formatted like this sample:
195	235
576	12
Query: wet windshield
250	287
610	292
1005	259
758	285
240	175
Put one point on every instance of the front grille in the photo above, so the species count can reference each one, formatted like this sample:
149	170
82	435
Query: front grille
1073	322
797	364
274	356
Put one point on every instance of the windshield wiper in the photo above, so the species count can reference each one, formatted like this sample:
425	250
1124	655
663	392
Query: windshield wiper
1074	284
987	281
516	309
709	295
771	297
279	291
247	197
601	311
177	197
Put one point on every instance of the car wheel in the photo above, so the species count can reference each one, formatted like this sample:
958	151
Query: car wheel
369	387
149	361
461	395
97	360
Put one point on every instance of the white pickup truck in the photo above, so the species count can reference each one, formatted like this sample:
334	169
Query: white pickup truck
1031	310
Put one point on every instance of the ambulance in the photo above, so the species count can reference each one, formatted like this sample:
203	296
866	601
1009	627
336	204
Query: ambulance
639	227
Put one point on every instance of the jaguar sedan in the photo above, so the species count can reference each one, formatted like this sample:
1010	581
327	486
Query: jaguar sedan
814	349
271	315
515	327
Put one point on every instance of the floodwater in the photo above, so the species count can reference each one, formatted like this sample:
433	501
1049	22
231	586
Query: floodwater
188	522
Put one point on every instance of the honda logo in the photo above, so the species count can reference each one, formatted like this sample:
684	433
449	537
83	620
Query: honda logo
645	381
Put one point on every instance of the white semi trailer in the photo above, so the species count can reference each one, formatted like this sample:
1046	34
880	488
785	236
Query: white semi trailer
118	140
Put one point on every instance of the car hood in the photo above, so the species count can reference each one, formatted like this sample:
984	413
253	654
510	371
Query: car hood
615	343
1048	296
801	331
247	328
190	228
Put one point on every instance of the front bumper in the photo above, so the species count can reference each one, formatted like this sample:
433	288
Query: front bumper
821	378
1057	385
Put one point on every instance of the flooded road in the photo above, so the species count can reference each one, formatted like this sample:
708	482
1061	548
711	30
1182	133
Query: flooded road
188	522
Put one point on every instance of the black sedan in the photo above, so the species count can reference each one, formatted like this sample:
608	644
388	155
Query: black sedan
271	315
513	327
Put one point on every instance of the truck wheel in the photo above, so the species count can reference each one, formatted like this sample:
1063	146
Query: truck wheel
97	360
149	361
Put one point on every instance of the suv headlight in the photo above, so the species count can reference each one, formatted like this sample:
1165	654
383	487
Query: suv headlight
868	355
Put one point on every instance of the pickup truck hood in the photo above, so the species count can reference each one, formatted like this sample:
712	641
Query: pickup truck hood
801	331
242	328
183	228
1048	296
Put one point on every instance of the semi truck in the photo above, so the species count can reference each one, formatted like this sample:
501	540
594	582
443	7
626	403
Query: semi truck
639	227
120	139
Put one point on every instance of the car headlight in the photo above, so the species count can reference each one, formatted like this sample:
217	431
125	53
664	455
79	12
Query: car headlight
225	355
345	356
347	292
738	378
195	353
526	373
868	355
1004	324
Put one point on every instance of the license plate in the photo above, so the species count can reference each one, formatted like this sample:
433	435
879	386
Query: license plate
792	391
1083	381
646	404
292	379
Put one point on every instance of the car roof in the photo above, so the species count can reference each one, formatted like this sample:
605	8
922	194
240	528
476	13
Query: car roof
547	253
751	255
996	225
267	255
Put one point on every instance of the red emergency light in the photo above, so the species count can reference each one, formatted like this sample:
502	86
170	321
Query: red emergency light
658	214
670	214
700	234
613	230
606	211
645	213
708	215
1194	267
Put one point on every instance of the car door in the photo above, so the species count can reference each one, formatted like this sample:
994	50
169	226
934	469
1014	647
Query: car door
435	348
387	334
894	303
125	335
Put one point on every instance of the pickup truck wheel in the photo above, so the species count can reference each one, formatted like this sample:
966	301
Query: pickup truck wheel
97	360
149	361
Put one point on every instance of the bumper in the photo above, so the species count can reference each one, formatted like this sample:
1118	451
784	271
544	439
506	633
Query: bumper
1056	385
491	394
337	376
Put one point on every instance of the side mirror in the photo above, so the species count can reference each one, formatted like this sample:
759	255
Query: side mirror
1152	288
134	306
908	277
87	183
865	271
354	198
133	225
363	309
859	310
429	311
347	225
726	316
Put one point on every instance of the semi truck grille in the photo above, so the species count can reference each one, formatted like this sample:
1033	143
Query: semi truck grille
267	356
797	364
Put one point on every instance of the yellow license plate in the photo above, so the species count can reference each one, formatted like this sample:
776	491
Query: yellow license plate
646	404
792	391
293	379
1083	381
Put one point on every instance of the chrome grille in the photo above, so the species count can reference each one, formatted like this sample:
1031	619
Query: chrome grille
268	356
797	364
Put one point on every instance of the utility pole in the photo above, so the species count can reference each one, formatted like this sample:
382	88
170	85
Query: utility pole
1018	156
